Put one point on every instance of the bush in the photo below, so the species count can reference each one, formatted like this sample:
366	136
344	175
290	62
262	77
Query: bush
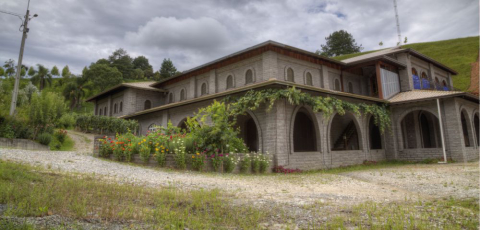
103	124
44	138
61	135
198	161
230	161
281	169
66	121
161	156
245	163
145	153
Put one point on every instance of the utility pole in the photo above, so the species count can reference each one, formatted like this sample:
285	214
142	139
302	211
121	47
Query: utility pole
20	57
398	23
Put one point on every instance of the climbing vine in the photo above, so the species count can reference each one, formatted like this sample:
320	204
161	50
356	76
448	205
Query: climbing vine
252	100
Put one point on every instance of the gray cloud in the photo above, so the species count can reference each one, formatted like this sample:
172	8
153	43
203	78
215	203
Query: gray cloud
76	33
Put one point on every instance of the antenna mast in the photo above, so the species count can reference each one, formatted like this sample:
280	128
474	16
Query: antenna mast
398	23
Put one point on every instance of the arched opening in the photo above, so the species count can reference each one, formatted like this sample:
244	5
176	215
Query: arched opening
344	133
337	85
203	89
183	125
445	86
350	87
304	136
147	104
182	95
466	136
170	98
476	123
374	135
420	129
229	82
115	108
290	75
248	132
152	127
308	79
121	106
425	82
249	76
416	79
100	112
438	86
105	111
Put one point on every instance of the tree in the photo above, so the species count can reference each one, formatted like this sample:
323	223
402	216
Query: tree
123	62
339	43
42	77
141	62
2	72
103	76
405	41
23	72
102	61
66	72
138	74
54	71
9	68
31	72
75	90
168	69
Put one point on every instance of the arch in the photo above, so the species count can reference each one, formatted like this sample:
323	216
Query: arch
414	71
437	84
427	130
308	79
445	86
183	125
419	128
304	138
290	75
374	135
100	112
337	85
183	95
170	97
345	133
425	81
476	124
147	104
105	111
350	87
203	89
152	127
230	82
115	108
121	106
416	79
250	131
466	128
249	78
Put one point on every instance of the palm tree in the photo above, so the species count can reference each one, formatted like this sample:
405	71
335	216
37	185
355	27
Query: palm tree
42	77
75	90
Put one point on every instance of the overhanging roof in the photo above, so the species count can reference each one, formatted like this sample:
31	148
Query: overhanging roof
421	95
136	85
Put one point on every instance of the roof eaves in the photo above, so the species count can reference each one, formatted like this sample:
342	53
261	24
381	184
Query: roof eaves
423	56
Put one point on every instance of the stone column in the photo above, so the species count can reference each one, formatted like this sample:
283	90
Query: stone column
405	75
326	80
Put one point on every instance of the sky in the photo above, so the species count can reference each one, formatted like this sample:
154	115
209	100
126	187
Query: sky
190	32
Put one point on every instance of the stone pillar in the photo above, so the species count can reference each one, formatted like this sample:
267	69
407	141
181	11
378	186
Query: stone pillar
109	105
405	75
454	141
326	79
212	82
270	66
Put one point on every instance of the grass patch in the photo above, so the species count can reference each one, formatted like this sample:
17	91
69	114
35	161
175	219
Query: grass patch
29	191
56	145
7	224
457	54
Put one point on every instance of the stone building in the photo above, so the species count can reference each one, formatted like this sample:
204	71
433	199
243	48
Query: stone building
417	89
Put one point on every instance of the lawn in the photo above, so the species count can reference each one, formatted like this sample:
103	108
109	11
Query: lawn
457	54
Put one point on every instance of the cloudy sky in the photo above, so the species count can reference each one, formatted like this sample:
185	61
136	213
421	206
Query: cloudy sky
190	32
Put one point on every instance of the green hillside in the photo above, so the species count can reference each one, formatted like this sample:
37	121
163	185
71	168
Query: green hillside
457	54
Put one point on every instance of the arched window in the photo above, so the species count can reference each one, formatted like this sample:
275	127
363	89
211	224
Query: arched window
308	79
476	123
152	127
105	111
416	79
121	106
375	135
425	82
249	76
182	95
466	136
100	112
337	85
414	71
115	108
344	133
203	90
229	82
350	87
170	98
147	104
304	137
248	132
290	75
445	86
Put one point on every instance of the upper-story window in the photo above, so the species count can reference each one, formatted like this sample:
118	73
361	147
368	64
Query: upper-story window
445	86
350	87
115	108
105	111
182	95
425	82
416	79
230	82
100	112
170	98
249	76
308	79
121	106
337	85
203	90
290	75
147	104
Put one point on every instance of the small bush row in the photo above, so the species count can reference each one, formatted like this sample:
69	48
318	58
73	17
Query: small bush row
104	124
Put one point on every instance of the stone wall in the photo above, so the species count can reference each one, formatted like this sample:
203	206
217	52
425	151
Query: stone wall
22	144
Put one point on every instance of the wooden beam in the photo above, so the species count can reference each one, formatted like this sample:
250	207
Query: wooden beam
379	81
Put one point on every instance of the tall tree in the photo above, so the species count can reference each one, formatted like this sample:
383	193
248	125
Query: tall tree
31	72
167	69
339	43
9	68
42	77
103	76
66	72
55	71
75	90
141	62
123	62
2	72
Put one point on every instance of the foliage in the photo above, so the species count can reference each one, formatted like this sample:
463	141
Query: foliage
282	169
180	156
45	110
145	152
66	121
42	77
123	62
339	43
66	145
167	69
12	128
161	156
230	161
198	161
141	62
260	162
44	138
61	135
76	89
103	124
245	163
103	76
55	71
25	94
106	148
9	68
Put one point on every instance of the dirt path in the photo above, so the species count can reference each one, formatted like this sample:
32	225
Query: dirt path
83	141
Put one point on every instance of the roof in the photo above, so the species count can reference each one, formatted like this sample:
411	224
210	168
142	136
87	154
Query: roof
250	87
136	85
418	95
394	50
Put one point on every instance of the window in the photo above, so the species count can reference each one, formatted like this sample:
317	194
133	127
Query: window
147	104
290	75
249	76
170	98
337	85
105	111
308	79
182	95
416	79
203	89
115	109
121	106
445	86
437	84
152	127
425	82
229	82
414	71
465	127
350	87
100	112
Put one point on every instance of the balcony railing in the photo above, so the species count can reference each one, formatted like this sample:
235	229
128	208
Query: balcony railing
426	84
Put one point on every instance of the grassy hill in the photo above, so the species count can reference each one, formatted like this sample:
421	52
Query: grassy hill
457	54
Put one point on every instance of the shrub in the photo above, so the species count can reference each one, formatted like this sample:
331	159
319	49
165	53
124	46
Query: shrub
180	153
104	124
44	138
145	153
61	135
66	121
245	163
264	162
106	147
161	156
230	161
198	161
255	159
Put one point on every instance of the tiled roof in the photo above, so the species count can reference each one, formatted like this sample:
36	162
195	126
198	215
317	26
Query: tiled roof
137	85
372	55
416	95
